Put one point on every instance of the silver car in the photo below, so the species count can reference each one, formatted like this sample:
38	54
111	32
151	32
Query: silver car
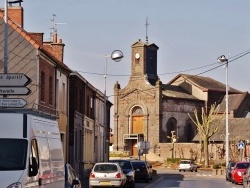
188	165
107	174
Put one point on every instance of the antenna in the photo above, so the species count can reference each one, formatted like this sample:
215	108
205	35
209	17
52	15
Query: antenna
147	24
53	28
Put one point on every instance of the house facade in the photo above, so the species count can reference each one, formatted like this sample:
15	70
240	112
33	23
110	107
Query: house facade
57	90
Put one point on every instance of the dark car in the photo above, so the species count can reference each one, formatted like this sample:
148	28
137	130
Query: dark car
71	178
128	170
246	178
143	170
229	170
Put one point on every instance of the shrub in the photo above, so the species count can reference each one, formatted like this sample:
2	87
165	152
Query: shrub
119	154
216	166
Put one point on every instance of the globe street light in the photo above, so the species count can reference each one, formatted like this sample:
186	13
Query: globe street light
116	56
224	60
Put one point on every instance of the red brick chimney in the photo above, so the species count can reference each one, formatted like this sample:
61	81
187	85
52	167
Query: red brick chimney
57	48
15	13
38	37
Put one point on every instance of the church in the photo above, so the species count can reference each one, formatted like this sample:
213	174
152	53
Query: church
147	110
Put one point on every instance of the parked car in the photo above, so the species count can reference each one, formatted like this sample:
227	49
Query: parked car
143	170
229	170
71	178
246	178
107	174
188	165
128	170
238	171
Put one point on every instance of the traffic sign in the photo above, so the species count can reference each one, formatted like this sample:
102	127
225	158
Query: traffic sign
14	91
241	145
14	103
16	79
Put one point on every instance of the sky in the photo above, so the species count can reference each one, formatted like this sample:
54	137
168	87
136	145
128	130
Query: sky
190	34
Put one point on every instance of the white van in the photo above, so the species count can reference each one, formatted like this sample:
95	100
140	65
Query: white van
30	151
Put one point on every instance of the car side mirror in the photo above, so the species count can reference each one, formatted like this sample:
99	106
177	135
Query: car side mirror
75	182
33	167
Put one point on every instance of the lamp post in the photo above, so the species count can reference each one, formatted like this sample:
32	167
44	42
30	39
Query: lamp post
6	37
224	60
116	56
6	33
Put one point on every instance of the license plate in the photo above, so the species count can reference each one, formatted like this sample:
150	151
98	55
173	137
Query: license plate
105	183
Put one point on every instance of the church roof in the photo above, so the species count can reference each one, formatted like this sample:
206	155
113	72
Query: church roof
204	83
140	43
239	128
235	100
176	92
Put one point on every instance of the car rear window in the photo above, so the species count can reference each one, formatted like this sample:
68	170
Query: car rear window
104	168
139	165
185	162
123	164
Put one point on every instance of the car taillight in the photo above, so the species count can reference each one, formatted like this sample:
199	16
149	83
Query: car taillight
118	175
92	175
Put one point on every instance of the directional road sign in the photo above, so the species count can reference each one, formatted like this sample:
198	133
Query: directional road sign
14	103
16	79
14	91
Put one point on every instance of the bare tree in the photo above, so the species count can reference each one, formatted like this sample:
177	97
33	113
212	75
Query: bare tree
206	126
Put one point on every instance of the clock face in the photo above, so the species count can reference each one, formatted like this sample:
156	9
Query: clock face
137	55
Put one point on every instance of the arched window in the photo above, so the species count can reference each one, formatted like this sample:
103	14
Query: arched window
189	132
171	126
137	111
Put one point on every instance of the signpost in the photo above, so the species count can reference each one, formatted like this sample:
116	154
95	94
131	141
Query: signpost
14	91
17	79
14	103
13	84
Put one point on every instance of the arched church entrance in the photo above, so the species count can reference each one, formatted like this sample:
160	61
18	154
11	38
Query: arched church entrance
137	127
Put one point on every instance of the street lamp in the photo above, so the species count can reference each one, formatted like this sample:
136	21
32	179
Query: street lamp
224	60
116	56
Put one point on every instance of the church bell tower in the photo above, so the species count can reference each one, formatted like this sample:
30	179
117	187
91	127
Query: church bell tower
144	61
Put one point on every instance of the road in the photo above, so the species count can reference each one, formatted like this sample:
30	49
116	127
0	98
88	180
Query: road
176	179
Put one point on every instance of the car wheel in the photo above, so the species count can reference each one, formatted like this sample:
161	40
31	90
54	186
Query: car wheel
196	170
179	170
191	170
133	185
184	170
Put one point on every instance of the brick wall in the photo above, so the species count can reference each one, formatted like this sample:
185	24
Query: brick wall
49	71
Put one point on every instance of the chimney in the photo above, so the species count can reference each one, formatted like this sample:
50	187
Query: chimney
38	37
16	15
57	47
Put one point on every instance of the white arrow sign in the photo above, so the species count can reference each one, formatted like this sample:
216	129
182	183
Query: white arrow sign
14	79
14	103
14	91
